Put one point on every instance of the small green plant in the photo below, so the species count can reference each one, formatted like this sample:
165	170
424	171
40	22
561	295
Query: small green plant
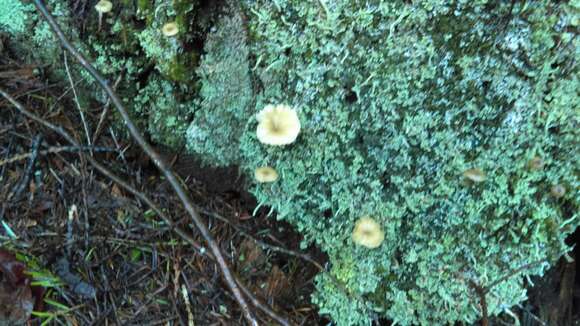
53	314
14	16
43	278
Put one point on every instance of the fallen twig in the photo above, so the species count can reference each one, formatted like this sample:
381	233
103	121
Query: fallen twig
262	243
54	150
29	168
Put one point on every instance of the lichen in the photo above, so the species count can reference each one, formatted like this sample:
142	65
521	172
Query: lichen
225	94
14	16
397	101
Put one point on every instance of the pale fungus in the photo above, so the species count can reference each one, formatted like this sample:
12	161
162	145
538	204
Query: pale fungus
277	125
475	175
103	7
170	29
558	191
265	174
536	163
368	233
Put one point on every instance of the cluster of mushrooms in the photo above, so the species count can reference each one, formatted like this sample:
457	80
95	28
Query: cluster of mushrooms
105	6
278	125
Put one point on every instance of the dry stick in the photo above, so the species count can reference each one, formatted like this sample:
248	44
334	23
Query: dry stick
513	272
482	291
159	162
179	231
105	111
482	302
54	150
262	243
78	105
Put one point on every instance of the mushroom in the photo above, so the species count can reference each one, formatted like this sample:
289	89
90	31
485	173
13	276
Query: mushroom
558	191
265	174
278	125
368	233
475	175
103	7
170	29
536	163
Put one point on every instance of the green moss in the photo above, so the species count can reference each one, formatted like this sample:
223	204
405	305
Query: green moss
31	37
14	16
168	116
396	100
225	88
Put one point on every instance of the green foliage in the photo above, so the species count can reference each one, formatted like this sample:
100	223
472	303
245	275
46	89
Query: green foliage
33	34
14	16
168	119
161	49
155	71
129	49
396	100
226	93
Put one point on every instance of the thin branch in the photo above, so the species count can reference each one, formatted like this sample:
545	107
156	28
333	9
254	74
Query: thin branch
178	230
54	150
513	272
159	162
105	111
531	314
29	168
78	104
262	243
480	291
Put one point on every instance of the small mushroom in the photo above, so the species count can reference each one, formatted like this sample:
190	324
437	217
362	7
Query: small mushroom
475	175
103	7
265	174
278	125
536	163
558	191
170	29
368	233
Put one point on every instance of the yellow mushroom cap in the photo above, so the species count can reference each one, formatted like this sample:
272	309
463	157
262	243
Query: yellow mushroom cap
170	29
265	174
367	232
278	125
536	163
104	6
475	175
558	191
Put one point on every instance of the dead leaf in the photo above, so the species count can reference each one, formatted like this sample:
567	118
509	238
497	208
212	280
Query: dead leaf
278	284
16	300
116	191
253	255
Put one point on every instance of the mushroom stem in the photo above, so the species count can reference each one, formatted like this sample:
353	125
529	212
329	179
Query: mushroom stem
100	21
103	7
